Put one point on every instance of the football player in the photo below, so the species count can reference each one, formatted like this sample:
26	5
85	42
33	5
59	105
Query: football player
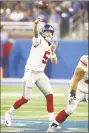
42	49
78	92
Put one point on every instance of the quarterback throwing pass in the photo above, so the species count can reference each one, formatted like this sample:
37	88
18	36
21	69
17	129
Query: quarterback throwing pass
42	49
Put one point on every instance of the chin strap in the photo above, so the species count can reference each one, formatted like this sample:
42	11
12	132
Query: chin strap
41	33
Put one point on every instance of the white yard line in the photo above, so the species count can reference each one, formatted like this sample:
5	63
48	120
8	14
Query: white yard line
19	81
6	94
34	106
80	114
41	116
42	112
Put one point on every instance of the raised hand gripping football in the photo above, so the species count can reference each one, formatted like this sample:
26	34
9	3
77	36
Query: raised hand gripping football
38	20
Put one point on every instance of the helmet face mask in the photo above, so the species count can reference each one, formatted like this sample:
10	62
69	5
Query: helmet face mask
48	35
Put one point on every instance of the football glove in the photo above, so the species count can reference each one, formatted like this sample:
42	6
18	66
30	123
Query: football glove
72	96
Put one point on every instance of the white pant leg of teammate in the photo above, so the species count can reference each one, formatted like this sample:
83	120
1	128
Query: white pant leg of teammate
70	108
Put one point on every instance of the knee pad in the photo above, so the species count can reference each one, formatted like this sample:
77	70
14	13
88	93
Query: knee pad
69	111
71	108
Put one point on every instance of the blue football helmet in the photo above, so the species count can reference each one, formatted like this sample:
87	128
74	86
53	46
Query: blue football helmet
47	27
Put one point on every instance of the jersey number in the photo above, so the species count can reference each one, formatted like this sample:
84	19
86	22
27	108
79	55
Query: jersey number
45	58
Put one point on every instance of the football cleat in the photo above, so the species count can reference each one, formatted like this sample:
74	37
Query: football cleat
8	119
51	129
50	122
54	125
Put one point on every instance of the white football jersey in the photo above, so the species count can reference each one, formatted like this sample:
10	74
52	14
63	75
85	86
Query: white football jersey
39	54
83	84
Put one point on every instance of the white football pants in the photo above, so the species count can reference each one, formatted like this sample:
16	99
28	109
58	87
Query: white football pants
40	79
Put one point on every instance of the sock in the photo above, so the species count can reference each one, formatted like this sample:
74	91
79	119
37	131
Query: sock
61	116
50	107
12	109
19	102
51	116
50	104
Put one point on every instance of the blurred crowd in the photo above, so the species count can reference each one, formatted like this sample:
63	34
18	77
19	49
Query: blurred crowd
25	11
59	12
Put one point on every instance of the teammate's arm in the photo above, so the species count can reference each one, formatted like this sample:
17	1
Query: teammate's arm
78	75
36	32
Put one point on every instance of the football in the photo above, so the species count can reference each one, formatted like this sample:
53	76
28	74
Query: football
42	5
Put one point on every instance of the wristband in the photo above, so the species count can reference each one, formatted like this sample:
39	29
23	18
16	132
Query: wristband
53	56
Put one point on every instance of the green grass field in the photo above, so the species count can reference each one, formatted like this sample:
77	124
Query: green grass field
35	109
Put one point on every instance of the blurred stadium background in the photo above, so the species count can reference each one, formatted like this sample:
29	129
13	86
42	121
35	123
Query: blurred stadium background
70	20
